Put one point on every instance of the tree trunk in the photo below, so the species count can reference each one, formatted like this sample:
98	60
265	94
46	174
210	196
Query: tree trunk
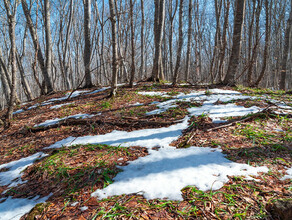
236	47
142	40
48	41
87	46
180	43
132	43
172	14
159	17
11	17
224	41
24	82
254	51
4	83
286	51
37	47
187	73
267	44
114	49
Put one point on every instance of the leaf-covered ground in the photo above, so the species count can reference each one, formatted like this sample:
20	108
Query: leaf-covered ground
72	173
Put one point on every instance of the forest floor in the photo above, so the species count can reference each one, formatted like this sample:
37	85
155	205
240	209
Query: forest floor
152	152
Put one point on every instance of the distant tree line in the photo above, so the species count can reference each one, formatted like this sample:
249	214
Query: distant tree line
48	46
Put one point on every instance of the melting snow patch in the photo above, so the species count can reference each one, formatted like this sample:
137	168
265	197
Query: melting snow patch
59	106
18	111
216	95
13	209
84	208
74	203
219	111
98	90
33	106
57	120
146	138
223	91
65	142
137	104
289	174
12	177
163	173
74	94
163	94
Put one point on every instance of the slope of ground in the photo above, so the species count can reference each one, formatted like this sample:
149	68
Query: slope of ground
75	150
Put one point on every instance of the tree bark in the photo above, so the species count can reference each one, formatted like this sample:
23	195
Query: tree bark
24	82
142	40
187	73
87	46
180	43
224	41
4	83
267	45
236	39
11	17
48	41
159	18
132	43
37	48
114	49
286	51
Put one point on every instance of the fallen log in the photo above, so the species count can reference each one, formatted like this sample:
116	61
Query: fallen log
113	122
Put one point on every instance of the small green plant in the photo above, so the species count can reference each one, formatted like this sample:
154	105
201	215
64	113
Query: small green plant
208	92
106	105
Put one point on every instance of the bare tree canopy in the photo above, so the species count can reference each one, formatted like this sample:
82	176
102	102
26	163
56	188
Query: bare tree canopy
63	45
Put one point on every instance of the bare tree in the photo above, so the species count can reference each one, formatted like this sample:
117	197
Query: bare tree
159	17
142	40
114	49
286	51
48	39
267	44
180	43
44	65
4	83
87	46
187	73
132	43
11	9
235	52
171	14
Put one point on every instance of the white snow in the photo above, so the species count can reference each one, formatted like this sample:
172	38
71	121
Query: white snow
33	106
163	94
65	142
13	209
223	91
137	104
209	100
163	107
147	138
57	120
84	208
12	176
59	106
289	174
18	111
74	203
46	103
98	90
163	173
215	112
74	94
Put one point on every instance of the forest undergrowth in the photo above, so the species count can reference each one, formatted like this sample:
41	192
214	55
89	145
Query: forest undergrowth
72	173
